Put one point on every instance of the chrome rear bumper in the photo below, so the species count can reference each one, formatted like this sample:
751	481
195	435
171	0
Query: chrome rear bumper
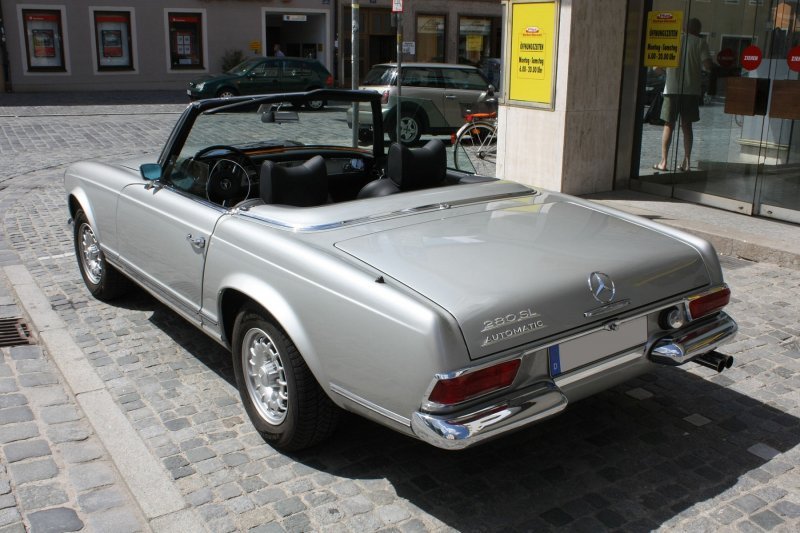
693	340
490	419
544	399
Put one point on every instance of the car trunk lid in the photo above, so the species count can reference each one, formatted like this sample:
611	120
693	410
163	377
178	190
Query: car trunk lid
518	274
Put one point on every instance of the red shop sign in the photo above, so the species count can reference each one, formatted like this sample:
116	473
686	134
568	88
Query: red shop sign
726	58
36	17
793	59
112	18
751	57
183	18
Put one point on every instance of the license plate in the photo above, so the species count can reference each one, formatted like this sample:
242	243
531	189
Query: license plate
585	350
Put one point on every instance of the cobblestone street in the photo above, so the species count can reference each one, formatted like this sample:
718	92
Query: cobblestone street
681	449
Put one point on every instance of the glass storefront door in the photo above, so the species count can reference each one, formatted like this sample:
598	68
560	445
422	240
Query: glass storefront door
743	152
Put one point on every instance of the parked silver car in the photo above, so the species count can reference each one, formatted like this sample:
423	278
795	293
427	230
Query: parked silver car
434	97
450	307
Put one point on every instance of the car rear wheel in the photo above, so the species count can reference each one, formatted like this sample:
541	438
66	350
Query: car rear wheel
103	280
411	128
280	394
226	92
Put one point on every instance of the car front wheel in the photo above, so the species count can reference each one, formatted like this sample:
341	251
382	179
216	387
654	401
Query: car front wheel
280	394
226	92
103	280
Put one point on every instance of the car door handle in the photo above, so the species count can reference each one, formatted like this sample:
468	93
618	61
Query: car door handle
450	96
198	242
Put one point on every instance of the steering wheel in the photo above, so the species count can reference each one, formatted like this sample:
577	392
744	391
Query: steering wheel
228	178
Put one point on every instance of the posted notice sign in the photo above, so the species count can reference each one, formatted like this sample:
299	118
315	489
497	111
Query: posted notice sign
532	54
662	45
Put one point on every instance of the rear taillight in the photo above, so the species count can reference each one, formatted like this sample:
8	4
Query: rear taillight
474	384
710	302
385	97
329	81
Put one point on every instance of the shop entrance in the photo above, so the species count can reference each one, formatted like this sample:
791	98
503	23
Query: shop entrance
744	151
298	34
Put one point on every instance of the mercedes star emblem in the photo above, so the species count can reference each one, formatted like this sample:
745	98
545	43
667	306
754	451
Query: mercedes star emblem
602	287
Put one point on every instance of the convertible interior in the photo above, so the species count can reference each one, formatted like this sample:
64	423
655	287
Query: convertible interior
307	159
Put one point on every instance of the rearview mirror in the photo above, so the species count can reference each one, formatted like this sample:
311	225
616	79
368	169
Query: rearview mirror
274	115
151	171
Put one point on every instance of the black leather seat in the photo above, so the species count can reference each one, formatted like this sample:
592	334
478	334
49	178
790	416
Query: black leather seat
410	169
303	185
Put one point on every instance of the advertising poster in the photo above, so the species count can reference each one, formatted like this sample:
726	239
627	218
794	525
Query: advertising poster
43	43
662	46
111	41
43	40
113	36
532	54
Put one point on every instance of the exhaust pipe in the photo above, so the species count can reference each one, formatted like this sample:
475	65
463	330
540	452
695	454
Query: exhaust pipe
714	360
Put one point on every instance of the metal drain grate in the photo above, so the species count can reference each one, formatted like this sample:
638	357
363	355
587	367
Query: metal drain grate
14	332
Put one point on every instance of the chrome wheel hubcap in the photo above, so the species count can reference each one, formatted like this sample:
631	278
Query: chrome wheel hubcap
408	129
265	376
90	254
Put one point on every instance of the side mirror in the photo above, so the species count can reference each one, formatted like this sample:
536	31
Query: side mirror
490	90
151	171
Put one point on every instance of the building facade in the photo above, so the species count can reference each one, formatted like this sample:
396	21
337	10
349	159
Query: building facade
595	133
126	45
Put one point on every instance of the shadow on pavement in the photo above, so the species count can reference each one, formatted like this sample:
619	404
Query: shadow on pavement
615	460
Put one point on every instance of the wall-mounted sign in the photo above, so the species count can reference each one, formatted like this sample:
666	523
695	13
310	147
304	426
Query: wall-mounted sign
662	44
410	47
793	59
255	46
532	54
397	6
295	18
751	57
726	58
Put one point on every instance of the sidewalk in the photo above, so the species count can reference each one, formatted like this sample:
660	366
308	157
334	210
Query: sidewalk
751	238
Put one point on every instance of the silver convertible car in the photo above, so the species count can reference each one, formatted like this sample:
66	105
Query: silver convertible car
448	306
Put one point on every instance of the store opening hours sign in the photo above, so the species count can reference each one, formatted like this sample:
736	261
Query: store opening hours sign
532	55
662	46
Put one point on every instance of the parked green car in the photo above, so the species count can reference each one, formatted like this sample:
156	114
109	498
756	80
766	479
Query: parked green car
264	75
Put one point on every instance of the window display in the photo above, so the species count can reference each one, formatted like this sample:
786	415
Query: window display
43	40
113	37
185	40
430	38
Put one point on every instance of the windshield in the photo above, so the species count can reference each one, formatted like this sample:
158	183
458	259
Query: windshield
245	66
380	75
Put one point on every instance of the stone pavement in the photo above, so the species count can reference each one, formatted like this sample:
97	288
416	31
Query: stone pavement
679	449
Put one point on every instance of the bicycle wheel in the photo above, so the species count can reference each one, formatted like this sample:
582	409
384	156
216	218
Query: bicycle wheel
475	149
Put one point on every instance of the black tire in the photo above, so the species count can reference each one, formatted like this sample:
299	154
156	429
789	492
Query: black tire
103	280
293	411
227	92
315	105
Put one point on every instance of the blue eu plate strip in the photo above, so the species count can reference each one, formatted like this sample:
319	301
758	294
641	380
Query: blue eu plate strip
555	360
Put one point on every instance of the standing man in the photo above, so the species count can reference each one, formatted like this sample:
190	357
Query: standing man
277	50
682	93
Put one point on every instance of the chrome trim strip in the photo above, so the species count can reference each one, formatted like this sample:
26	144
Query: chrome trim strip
247	213
607	308
578	375
369	405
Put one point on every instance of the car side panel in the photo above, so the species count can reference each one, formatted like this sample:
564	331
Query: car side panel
374	339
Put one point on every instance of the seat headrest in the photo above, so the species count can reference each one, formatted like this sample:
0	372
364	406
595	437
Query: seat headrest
417	168
303	185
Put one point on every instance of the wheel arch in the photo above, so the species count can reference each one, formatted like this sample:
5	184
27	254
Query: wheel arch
260	297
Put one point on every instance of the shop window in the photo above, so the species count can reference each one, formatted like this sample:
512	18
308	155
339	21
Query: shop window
475	40
44	44
113	40
431	31
186	40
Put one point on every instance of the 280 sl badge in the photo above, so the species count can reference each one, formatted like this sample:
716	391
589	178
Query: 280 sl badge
515	324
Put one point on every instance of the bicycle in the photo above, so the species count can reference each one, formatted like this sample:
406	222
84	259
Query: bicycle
475	144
